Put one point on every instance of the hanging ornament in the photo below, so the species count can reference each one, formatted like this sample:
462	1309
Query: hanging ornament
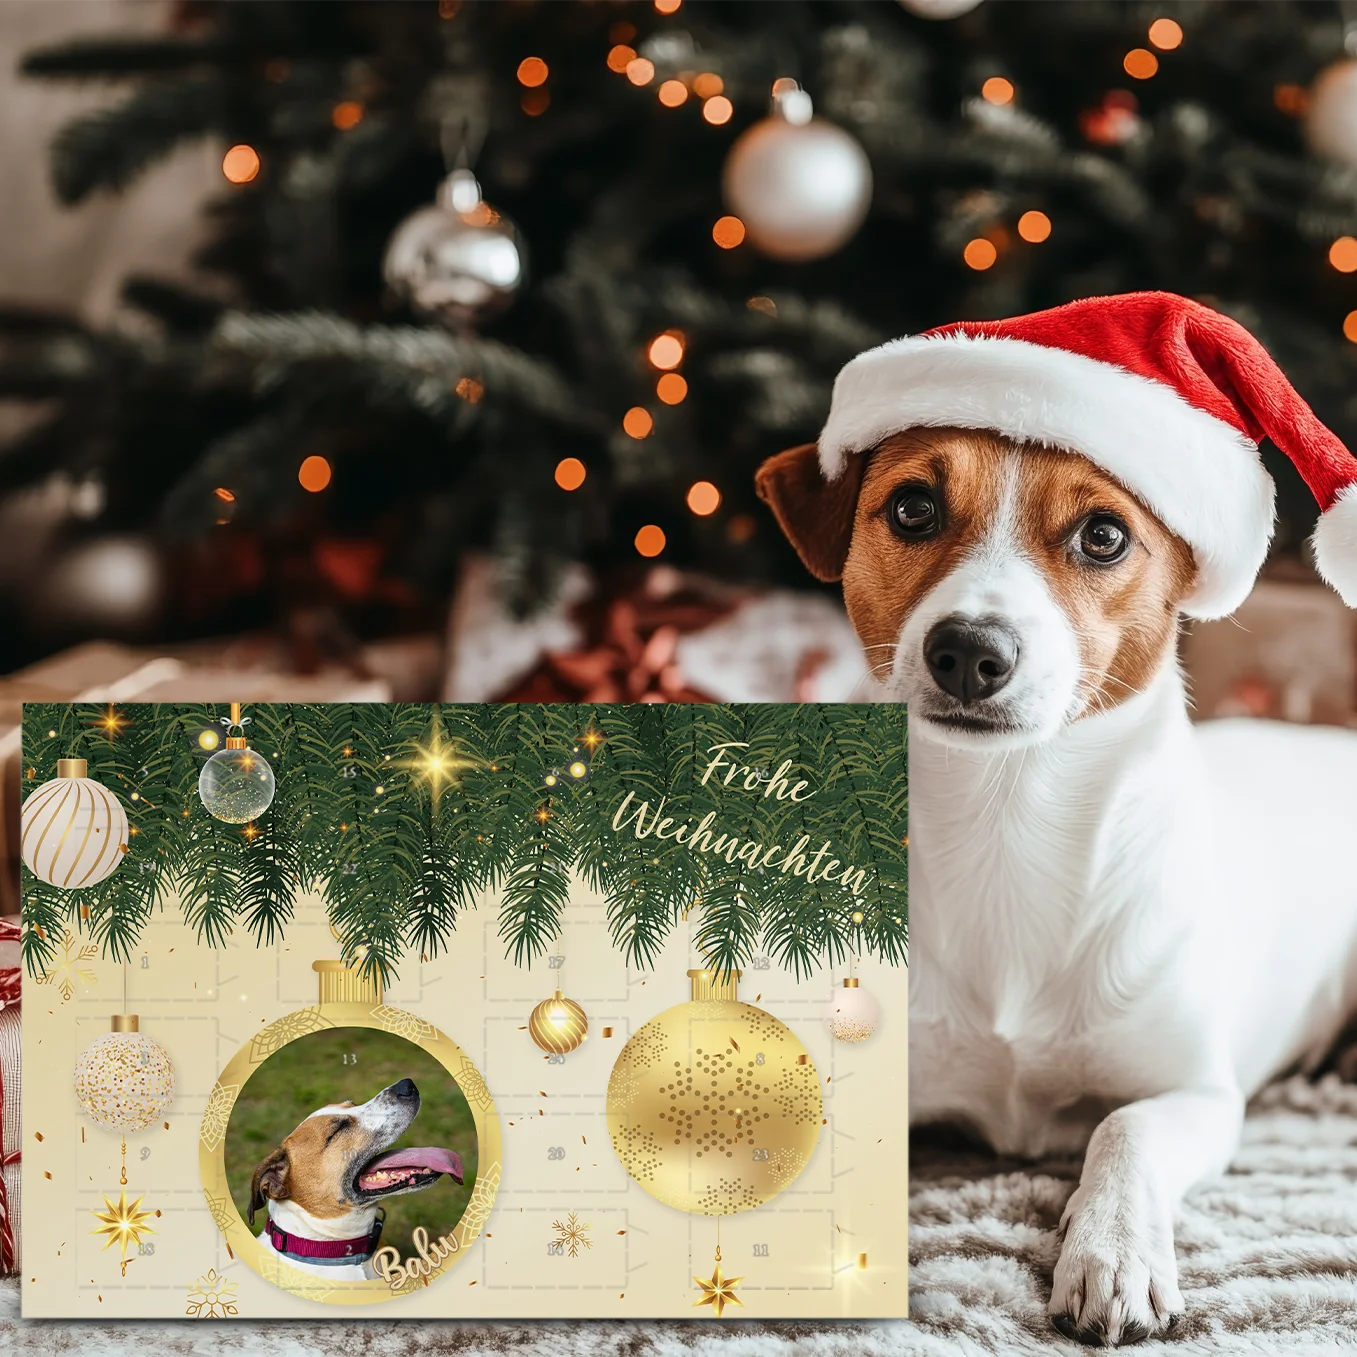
236	784
801	185
853	1015
939	9
74	830
714	1106
124	1080
558	1024
459	261
1331	121
351	1000
718	1291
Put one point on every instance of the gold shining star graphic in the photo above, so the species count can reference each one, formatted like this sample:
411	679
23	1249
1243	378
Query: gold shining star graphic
111	723
592	738
718	1291
439	762
124	1224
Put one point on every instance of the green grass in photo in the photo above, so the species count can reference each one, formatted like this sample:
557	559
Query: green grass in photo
355	1063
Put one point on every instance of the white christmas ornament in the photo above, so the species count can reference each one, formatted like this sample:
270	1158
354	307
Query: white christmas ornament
939	9
74	830
853	1015
458	261
801	185
1331	123
124	1080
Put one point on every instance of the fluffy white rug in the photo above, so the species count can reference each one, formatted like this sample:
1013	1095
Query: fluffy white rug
1268	1257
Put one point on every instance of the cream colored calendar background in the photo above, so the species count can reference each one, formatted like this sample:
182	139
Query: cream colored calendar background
798	1254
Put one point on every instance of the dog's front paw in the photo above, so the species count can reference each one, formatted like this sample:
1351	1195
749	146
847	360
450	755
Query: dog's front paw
1116	1280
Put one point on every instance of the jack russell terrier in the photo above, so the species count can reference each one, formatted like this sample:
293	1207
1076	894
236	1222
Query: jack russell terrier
323	1185
1122	924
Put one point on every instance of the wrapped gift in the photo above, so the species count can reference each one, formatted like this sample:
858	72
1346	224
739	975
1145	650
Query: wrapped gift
665	636
9	1096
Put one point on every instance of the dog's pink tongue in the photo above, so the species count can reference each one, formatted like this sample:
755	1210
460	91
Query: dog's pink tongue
425	1158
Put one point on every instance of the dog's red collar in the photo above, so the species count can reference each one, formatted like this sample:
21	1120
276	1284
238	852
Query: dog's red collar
324	1250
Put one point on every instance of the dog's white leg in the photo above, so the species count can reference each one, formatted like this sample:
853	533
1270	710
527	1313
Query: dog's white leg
1117	1279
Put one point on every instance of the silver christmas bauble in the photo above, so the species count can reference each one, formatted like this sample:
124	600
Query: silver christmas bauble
939	9
1331	122
455	263
802	189
236	783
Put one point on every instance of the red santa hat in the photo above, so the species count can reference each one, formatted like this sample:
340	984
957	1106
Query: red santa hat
1166	395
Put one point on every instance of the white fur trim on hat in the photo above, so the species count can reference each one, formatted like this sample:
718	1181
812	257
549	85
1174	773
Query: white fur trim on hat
1203	479
1335	545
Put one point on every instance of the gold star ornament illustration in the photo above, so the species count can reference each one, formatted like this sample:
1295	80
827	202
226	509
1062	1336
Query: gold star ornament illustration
718	1291
123	1223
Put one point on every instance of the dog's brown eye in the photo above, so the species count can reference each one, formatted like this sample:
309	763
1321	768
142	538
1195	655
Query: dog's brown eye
1104	539
914	512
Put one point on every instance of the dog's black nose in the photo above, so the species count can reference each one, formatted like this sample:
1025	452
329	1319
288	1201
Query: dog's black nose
969	658
405	1089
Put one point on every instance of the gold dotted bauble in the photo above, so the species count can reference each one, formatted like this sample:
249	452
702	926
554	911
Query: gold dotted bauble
714	1106
558	1024
124	1080
74	829
236	784
853	1014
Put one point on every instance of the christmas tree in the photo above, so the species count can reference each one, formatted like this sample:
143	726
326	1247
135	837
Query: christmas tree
614	317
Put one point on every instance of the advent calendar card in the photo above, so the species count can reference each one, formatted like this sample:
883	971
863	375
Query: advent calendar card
484	1011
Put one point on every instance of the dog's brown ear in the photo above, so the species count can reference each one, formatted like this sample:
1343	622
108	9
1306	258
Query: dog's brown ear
270	1181
816	514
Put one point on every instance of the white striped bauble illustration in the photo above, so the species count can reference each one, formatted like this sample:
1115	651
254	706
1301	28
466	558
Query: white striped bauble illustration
74	830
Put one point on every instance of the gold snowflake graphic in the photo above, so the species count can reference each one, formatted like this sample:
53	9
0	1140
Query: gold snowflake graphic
403	1024
68	974
212	1297
217	1113
482	1199
287	1028
572	1234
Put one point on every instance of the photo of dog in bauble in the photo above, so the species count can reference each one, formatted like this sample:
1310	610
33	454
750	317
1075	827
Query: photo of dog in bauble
1122	924
330	1158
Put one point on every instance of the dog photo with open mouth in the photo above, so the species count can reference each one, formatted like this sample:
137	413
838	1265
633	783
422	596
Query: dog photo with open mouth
347	1147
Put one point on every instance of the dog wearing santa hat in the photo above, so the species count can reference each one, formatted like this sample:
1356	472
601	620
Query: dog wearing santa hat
1122	924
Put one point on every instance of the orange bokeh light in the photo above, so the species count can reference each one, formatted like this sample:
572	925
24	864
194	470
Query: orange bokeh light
728	232
784	84
1140	63
707	84
650	540
535	102
240	164
671	388
620	57
980	253
570	473
668	6
717	110
346	115
703	498
1166	34
666	350
314	474
1034	227
673	93
532	71
640	71
997	90
637	422
1343	254
1350	326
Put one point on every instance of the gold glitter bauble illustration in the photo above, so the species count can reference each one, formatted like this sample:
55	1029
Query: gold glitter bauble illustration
853	1015
124	1080
74	830
714	1106
558	1024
